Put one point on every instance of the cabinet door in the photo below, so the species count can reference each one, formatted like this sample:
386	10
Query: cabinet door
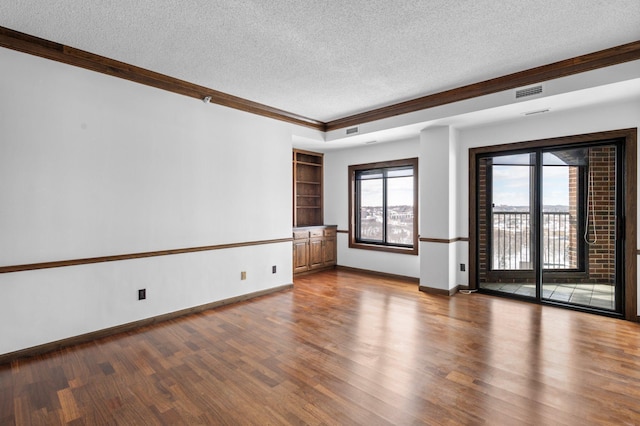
329	251
300	256
316	258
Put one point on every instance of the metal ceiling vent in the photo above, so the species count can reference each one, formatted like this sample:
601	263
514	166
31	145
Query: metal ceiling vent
528	91
352	130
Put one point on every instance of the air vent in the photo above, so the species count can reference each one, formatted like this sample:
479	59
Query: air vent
352	131
529	91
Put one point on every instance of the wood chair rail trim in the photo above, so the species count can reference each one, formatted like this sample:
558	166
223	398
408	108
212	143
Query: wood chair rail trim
119	257
443	240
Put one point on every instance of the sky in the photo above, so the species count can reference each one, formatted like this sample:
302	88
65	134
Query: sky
400	192
511	185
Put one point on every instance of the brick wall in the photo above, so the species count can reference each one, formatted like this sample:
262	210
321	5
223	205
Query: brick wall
574	199
602	204
483	240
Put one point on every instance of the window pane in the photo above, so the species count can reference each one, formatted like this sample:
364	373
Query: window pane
371	210
511	237
400	210
399	172
369	174
512	160
558	240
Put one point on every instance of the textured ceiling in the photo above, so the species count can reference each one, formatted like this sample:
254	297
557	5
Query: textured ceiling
333	58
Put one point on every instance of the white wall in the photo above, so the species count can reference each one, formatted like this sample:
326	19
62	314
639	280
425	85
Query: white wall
438	204
336	198
91	165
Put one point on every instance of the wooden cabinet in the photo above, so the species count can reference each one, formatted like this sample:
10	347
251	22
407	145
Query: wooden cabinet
307	188
314	248
329	257
300	252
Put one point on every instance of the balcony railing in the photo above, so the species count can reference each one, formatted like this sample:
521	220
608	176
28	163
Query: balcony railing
512	241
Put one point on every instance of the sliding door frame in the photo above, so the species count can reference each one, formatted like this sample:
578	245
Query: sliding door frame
629	139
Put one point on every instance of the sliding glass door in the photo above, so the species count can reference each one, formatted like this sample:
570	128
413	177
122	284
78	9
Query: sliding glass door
508	223
581	202
547	225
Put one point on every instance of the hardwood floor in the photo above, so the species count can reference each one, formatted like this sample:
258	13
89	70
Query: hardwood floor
342	348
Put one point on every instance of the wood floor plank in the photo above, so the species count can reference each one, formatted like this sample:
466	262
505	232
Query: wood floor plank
342	347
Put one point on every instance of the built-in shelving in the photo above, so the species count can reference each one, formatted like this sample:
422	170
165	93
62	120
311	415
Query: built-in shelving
307	188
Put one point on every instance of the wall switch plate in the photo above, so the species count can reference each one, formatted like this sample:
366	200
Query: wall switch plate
273	269
463	267
142	294
243	275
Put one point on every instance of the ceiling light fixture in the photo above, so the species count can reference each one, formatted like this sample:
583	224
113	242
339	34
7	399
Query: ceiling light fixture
206	99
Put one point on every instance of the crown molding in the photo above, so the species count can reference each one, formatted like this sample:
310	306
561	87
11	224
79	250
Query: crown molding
68	55
603	58
58	52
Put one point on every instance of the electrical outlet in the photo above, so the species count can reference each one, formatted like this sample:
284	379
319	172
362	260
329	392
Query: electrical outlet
142	294
273	269
243	275
463	267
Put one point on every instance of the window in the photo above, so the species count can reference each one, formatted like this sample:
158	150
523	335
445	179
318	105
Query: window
383	199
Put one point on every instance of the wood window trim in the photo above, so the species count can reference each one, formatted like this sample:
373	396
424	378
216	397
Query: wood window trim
630	138
353	243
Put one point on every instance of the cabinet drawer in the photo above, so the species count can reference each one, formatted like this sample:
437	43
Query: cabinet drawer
300	235
330	232
316	233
